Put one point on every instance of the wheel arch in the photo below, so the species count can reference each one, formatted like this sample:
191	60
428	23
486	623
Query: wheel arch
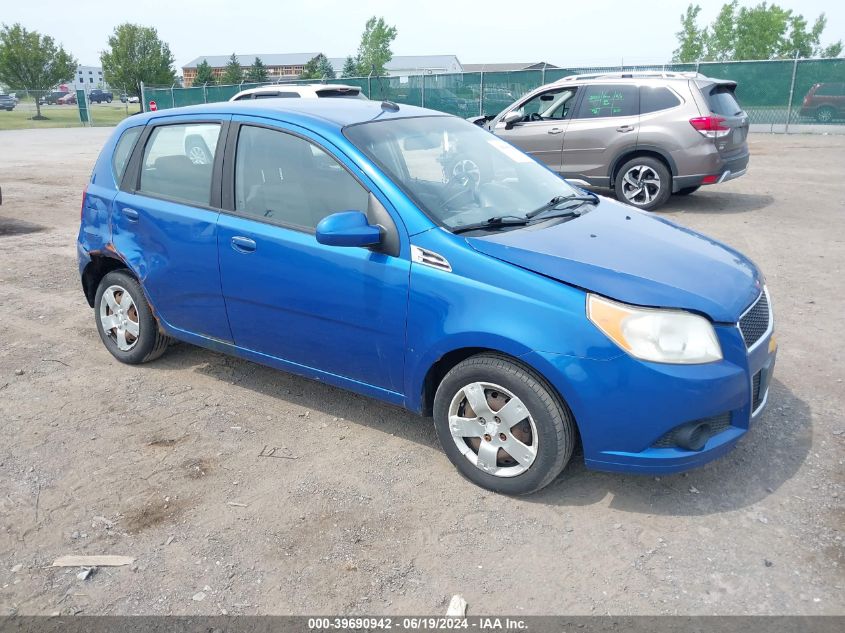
100	265
639	151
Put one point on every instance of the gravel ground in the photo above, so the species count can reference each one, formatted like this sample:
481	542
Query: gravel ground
358	511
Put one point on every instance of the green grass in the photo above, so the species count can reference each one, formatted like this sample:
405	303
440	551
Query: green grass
102	115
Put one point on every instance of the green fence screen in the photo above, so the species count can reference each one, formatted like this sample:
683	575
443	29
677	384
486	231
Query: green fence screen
764	88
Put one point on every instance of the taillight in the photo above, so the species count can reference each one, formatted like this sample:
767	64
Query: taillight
82	208
710	126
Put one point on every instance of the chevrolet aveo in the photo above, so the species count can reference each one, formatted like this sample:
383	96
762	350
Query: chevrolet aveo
413	257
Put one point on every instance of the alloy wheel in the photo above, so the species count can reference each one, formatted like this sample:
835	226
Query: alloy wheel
493	429
640	185
119	317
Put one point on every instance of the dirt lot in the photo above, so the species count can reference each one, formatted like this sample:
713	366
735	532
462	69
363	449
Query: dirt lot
361	512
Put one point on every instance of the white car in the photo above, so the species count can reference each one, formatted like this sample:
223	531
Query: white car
305	91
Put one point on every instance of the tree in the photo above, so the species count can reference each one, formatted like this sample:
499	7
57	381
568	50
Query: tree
325	68
257	73
136	55
204	74
33	61
374	51
233	74
318	67
763	31
691	39
350	67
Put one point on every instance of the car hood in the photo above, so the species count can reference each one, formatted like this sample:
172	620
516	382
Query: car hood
635	257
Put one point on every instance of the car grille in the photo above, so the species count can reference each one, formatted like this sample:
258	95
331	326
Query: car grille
756	395
755	322
716	423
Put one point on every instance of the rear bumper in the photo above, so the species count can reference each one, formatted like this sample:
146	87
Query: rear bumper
723	171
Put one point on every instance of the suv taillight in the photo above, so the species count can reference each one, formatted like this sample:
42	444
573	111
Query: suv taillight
710	126
82	208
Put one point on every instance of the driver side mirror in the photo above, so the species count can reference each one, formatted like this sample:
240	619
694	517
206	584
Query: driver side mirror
514	116
348	228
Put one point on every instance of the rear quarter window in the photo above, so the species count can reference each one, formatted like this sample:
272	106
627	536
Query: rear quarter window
123	150
830	90
653	99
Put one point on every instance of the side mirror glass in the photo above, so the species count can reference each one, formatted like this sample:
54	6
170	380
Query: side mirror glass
348	228
514	116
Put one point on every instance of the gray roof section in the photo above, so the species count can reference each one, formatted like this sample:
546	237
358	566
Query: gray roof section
504	67
274	59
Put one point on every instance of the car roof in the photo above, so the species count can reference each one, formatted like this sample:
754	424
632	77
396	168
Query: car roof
336	112
303	89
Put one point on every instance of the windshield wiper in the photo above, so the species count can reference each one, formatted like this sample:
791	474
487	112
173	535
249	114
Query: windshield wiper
557	201
492	223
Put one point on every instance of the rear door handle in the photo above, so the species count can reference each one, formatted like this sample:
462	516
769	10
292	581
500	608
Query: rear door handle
243	244
130	214
555	130
625	128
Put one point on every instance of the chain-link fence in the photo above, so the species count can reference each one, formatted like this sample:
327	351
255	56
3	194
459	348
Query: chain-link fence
24	108
774	93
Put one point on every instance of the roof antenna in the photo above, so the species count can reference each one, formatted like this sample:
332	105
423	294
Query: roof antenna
389	106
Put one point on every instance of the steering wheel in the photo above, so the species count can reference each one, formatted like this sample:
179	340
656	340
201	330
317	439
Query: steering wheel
534	117
466	173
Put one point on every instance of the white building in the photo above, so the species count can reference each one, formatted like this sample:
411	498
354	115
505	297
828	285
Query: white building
87	78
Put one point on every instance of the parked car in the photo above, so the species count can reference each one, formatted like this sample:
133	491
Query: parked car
7	103
646	135
825	102
134	99
305	91
53	97
412	257
68	99
100	96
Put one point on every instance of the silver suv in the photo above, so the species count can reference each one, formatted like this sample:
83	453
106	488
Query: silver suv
646	135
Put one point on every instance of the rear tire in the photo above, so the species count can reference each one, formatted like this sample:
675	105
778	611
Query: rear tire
125	321
537	427
197	151
643	182
687	190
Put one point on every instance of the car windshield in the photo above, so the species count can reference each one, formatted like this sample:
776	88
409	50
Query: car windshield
456	172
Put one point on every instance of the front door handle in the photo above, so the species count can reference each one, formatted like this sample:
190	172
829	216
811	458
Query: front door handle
555	130
130	214
243	244
625	128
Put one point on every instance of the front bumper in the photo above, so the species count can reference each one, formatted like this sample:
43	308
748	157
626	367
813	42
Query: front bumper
624	406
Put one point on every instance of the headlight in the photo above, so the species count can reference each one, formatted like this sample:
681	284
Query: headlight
662	336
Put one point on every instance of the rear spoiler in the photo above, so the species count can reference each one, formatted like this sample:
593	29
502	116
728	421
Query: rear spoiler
727	83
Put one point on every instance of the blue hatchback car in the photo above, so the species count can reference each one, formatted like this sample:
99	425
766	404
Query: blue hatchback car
411	256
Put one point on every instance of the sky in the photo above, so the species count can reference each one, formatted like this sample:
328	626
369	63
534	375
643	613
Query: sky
485	31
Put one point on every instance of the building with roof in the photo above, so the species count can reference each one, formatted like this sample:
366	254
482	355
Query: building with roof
283	66
86	78
506	67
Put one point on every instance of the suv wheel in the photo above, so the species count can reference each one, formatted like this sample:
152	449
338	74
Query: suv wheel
643	182
197	150
125	321
501	425
825	114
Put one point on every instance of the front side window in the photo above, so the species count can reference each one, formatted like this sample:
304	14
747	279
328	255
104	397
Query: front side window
178	162
550	105
601	101
457	173
285	179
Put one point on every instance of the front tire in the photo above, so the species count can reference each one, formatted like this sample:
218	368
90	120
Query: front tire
502	426
643	182
125	321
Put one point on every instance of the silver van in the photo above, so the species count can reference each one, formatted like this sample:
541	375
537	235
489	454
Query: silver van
645	135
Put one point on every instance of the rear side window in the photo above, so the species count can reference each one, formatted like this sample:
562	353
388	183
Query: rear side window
608	101
654	99
178	162
831	90
722	101
123	150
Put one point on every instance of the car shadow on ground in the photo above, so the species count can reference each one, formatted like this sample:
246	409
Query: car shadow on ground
766	458
716	202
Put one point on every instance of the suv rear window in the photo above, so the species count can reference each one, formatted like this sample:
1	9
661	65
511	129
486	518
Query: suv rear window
830	90
608	101
353	94
653	99
722	101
